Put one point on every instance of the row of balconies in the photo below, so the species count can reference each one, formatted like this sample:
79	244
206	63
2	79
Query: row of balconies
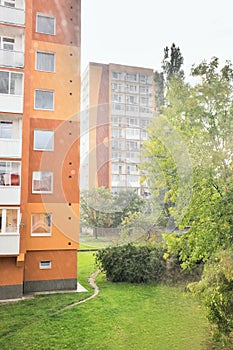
12	12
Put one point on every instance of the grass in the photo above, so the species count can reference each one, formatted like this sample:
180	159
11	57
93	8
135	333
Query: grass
122	316
90	242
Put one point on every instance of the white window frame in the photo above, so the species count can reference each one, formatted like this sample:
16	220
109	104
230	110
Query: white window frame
47	16
41	234
45	149
43	109
10	73
3	220
7	180
46	53
3	40
12	2
50	175
5	124
45	264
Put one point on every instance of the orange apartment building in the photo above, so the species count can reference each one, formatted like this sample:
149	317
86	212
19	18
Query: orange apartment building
117	106
39	145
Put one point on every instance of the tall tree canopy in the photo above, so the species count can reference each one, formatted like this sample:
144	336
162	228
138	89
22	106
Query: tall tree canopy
197	125
171	66
202	116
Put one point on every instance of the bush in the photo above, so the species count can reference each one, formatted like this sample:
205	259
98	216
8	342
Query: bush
133	264
216	290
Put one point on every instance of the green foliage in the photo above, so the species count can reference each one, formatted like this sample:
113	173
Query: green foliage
159	86
172	62
101	208
133	264
202	115
216	289
171	66
142	264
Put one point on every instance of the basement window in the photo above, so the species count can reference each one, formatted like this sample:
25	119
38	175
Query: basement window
45	264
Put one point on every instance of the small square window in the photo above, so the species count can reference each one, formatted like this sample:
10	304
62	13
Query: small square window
46	264
43	140
45	24
42	182
45	61
44	100
41	224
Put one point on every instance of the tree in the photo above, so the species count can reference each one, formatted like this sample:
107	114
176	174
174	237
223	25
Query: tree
171	66
198	122
172	63
101	208
202	116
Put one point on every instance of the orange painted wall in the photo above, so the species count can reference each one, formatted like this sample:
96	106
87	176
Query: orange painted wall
63	161
63	265
68	26
65	227
10	274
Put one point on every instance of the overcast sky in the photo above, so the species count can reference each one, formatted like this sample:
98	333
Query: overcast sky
135	32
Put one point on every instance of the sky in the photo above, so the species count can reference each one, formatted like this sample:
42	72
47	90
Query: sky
135	32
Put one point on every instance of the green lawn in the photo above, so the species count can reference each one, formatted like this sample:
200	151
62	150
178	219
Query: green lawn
122	316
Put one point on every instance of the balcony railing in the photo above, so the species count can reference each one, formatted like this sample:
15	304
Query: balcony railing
12	15
9	58
10	148
9	195
9	243
11	103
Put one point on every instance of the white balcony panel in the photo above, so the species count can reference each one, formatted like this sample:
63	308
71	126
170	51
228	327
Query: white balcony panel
12	15
10	148
11	103
9	195
9	243
11	59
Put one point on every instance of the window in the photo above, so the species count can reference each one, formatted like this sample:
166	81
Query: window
116	133
9	220
43	140
131	77
131	122
45	24
7	43
131	99
116	75
145	89
9	173
45	61
11	83
132	133
44	99
131	88
41	224
42	182
46	264
132	145
9	3
5	130
116	87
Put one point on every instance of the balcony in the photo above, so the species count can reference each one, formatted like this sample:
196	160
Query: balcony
10	148
12	15
9	243
9	195
11	103
9	58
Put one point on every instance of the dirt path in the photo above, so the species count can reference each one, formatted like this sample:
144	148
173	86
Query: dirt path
91	281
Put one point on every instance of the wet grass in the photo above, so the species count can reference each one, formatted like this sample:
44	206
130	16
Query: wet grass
122	316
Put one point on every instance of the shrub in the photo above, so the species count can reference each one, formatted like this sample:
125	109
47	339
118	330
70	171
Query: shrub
216	290
133	264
